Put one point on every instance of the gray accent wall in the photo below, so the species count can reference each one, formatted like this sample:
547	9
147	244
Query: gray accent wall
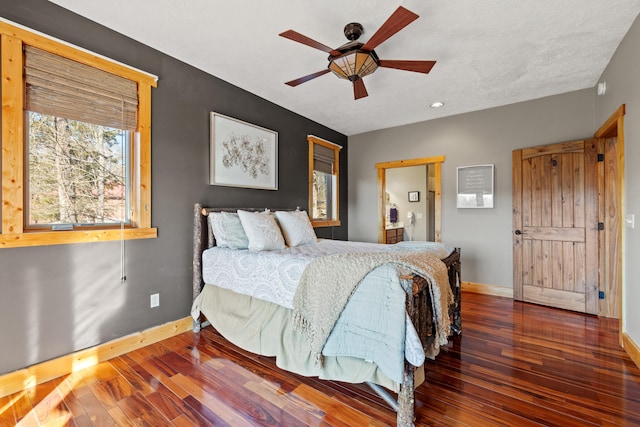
482	137
623	87
58	299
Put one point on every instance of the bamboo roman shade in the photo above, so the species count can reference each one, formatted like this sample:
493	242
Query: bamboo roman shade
323	158
62	87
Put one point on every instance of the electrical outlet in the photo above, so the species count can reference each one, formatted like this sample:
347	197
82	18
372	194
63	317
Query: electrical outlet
155	300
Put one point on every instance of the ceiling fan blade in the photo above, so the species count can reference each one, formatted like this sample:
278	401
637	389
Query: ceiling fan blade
297	37
397	21
359	91
416	66
301	80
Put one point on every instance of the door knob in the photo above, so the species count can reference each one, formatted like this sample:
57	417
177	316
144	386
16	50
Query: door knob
518	232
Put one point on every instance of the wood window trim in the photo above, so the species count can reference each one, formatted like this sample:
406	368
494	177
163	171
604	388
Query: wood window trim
13	233
336	148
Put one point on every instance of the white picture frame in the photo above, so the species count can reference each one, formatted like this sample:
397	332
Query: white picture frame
475	186
242	154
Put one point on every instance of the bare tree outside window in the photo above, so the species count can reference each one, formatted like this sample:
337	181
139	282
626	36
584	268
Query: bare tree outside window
321	194
77	172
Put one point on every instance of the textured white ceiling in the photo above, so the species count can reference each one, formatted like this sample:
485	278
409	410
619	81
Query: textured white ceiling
489	52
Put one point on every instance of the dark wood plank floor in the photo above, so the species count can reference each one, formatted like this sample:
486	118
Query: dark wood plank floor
515	364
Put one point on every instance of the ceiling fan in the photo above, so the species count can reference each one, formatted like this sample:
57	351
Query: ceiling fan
354	60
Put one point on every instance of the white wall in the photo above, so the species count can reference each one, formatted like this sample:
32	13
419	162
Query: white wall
623	87
481	137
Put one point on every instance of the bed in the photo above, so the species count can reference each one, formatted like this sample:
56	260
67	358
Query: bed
267	300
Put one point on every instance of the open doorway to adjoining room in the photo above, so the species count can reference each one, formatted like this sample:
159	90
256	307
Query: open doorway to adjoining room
410	200
410	203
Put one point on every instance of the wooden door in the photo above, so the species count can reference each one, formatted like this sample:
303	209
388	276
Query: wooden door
555	225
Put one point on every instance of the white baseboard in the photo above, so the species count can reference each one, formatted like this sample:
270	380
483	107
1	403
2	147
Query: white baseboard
21	379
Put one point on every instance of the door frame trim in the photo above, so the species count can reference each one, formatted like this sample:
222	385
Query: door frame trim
614	127
516	223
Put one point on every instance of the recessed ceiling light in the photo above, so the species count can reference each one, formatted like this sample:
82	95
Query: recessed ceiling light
436	104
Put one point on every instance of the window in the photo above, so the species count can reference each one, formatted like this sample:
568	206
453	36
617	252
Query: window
77	173
76	140
323	182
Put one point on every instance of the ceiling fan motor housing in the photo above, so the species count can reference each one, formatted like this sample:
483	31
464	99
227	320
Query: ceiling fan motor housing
353	31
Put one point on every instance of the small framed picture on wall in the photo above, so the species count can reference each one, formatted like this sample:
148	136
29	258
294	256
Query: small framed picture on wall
475	186
414	196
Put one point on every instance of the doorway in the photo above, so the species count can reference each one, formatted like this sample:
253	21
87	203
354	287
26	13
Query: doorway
567	222
431	196
555	221
410	206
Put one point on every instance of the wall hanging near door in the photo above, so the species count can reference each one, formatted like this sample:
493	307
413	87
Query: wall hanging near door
475	186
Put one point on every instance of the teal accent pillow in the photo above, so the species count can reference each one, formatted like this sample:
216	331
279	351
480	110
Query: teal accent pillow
235	236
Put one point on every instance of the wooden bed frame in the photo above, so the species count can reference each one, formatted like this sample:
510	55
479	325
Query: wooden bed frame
418	307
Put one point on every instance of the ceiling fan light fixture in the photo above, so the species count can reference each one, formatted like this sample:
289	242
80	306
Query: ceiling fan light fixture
354	60
354	65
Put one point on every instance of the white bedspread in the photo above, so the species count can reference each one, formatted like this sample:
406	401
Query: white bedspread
274	275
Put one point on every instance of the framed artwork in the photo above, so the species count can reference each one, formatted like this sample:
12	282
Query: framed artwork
475	186
242	154
414	196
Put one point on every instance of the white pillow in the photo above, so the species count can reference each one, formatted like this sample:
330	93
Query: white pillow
262	230
296	227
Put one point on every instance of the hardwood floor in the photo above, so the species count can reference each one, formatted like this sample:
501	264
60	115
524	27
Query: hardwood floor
514	364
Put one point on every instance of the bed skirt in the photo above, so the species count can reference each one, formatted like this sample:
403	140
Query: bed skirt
265	328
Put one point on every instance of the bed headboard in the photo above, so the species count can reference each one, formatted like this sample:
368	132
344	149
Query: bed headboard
203	238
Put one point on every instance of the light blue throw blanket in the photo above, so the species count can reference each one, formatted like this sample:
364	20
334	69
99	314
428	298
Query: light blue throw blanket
372	331
328	282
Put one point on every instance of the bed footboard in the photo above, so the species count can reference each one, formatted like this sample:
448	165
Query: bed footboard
453	269
420	309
